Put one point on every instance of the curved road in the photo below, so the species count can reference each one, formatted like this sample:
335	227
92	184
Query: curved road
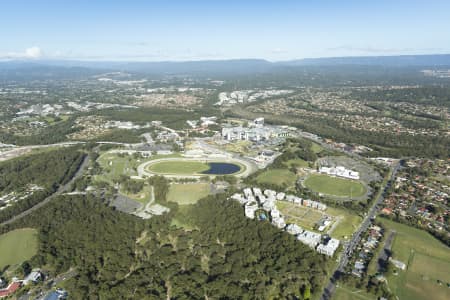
62	189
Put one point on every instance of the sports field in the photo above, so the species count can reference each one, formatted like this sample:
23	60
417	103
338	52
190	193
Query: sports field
335	186
17	246
179	167
303	216
306	217
427	259
188	193
277	176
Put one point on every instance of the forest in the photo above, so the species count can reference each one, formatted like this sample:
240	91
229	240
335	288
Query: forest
48	169
48	135
223	255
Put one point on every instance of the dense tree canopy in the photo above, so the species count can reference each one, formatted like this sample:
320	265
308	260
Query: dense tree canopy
48	170
225	255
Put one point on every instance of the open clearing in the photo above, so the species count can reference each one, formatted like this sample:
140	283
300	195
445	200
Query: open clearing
346	293
347	224
296	163
303	216
17	246
316	148
115	164
188	193
427	259
279	177
142	197
307	217
335	186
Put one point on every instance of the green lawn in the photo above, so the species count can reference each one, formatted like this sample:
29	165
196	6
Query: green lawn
316	148
114	165
182	218
179	167
296	163
303	216
427	259
17	246
307	217
188	193
142	197
346	293
278	177
347	224
335	186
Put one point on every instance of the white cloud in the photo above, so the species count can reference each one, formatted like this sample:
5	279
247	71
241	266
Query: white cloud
33	52
29	53
278	51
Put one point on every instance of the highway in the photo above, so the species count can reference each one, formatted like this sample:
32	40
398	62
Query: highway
349	247
62	189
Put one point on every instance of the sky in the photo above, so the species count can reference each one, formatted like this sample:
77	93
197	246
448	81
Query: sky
146	30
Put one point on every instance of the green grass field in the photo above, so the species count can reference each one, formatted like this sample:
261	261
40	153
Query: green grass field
178	167
316	148
17	246
303	216
114	165
347	224
307	217
188	193
335	186
296	162
278	177
427	259
346	293
142	197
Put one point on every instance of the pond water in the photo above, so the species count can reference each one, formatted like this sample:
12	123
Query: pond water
216	168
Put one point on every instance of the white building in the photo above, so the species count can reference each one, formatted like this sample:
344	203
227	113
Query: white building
239	198
329	248
269	205
339	171
279	222
250	209
248	192
259	122
33	277
309	238
280	196
294	229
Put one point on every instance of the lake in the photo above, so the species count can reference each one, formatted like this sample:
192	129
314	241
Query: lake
218	168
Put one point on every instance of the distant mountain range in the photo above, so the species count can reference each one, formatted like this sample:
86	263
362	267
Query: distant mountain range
237	66
399	60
